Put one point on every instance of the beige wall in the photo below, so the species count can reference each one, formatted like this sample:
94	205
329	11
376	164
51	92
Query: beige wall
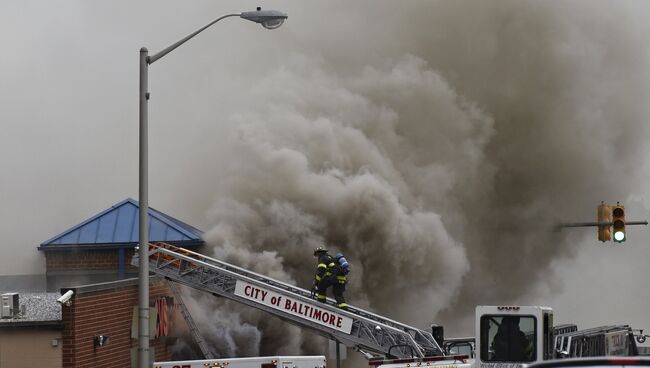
29	347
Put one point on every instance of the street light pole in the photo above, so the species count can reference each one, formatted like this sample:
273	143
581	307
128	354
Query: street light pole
143	199
269	19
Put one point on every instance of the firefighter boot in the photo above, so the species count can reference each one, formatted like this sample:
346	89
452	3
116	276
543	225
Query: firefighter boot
338	290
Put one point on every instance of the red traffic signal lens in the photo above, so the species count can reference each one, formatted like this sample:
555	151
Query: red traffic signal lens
618	212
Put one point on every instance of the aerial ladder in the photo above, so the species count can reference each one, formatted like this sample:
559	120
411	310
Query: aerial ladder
366	332
195	333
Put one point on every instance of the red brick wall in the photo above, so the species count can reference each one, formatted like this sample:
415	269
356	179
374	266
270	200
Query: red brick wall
106	312
62	260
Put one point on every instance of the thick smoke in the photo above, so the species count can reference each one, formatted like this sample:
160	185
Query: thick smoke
325	163
566	85
439	173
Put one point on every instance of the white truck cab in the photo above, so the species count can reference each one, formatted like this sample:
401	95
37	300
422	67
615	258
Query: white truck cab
510	336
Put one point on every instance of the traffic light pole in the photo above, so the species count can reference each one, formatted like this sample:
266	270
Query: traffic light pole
591	224
607	217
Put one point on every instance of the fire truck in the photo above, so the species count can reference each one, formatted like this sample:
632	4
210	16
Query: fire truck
514	336
506	336
316	361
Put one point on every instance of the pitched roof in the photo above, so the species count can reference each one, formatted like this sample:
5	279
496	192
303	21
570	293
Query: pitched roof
118	226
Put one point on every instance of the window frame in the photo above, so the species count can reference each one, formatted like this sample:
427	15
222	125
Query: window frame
485	343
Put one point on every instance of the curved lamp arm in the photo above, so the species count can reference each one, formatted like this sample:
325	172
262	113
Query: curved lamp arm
151	59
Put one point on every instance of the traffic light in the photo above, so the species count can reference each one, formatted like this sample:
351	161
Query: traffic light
604	216
618	223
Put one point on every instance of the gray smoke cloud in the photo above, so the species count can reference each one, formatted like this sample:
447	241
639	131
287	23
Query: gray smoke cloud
440	173
566	87
324	163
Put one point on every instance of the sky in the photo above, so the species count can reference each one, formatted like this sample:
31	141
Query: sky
434	142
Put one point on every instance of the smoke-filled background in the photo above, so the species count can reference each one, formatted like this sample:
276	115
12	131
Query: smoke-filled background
434	143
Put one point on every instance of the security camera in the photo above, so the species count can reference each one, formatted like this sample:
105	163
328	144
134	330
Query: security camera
65	298
101	340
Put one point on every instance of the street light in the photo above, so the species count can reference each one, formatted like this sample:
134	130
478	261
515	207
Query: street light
269	19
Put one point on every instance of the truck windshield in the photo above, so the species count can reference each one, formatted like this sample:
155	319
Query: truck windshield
508	338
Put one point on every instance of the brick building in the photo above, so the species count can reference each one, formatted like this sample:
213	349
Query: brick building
100	248
98	326
109	310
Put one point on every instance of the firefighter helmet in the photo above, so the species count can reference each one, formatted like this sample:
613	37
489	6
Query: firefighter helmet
319	250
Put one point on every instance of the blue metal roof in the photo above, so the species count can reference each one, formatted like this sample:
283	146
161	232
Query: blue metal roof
118	226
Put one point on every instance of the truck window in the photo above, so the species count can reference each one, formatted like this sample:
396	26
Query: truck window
508	338
457	348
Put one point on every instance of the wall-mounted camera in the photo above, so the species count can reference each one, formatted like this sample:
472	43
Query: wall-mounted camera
65	298
101	340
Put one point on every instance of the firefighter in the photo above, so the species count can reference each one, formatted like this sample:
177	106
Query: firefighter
510	343
329	273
